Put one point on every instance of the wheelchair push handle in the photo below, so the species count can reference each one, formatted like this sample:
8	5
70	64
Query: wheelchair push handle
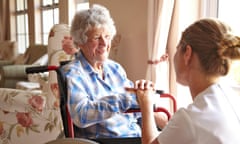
155	108
133	90
40	69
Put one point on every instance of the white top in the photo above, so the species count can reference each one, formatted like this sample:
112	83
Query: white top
212	118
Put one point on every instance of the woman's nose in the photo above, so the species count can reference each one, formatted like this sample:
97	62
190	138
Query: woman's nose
102	41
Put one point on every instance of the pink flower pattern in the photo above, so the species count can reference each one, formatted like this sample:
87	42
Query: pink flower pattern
36	102
55	91
24	119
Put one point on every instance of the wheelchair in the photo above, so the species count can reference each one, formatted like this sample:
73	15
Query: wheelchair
68	126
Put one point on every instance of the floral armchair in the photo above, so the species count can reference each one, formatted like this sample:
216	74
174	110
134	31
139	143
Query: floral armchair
34	116
25	117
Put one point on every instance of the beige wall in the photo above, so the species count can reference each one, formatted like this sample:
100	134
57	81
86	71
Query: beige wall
130	17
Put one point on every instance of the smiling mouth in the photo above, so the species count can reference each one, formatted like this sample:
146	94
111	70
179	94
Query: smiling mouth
101	51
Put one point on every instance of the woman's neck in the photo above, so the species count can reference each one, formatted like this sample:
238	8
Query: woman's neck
99	69
200	82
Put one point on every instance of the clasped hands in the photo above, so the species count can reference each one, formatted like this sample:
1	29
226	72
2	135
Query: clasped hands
144	90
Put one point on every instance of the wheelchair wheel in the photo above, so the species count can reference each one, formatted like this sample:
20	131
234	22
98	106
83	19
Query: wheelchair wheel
72	141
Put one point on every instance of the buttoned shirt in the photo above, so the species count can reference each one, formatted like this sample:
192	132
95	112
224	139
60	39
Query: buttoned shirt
97	105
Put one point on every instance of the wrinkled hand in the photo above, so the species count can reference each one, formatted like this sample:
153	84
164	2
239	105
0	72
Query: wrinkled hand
145	91
68	46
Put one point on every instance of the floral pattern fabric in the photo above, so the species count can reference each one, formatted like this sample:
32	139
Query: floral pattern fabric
25	117
28	117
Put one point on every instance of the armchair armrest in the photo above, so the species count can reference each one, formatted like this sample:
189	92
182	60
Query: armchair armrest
13	100
10	74
5	62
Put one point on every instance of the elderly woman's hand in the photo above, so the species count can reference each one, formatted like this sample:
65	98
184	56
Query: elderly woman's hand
145	91
68	46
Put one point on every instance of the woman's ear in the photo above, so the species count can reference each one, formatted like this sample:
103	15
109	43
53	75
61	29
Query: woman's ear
188	55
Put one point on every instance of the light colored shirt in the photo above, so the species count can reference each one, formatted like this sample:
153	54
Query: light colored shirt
212	118
97	105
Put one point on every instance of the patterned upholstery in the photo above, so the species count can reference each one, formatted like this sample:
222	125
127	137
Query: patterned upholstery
34	116
25	118
56	54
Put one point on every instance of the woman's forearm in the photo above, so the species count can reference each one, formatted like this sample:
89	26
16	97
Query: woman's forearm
149	129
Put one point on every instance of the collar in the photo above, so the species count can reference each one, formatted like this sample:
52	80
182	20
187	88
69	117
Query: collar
85	64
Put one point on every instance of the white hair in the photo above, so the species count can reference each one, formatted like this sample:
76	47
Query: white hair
96	16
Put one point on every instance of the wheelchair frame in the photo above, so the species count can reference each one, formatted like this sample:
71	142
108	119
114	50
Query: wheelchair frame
66	119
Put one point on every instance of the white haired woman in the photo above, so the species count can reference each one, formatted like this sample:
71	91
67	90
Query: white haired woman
97	97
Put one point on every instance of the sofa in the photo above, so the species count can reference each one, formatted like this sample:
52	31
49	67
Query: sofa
13	70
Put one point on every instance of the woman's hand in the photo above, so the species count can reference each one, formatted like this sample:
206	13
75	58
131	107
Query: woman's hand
68	46
145	91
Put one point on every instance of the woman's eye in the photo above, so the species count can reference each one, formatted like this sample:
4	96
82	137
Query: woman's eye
96	38
107	37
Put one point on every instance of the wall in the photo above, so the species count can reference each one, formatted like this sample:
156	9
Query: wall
130	17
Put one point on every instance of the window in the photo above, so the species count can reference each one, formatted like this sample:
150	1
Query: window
82	4
22	31
228	11
50	16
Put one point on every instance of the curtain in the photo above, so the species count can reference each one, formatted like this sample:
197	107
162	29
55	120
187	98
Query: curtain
173	37
159	23
4	20
166	20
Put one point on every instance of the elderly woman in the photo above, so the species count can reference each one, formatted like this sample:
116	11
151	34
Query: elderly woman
203	55
96	85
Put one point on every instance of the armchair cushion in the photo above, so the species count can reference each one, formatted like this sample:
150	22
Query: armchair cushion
14	100
34	52
21	59
8	50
